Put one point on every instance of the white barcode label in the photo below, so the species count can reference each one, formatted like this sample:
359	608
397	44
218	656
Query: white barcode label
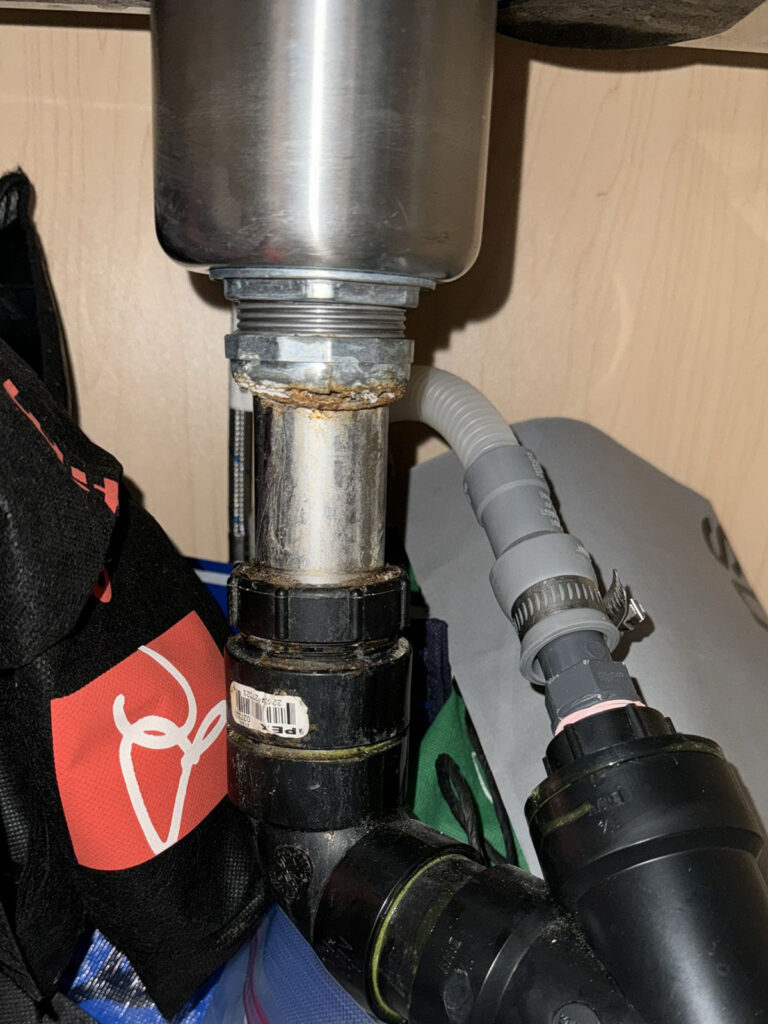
269	712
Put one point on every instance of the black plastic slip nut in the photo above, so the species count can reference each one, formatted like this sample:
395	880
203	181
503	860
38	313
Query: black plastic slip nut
306	614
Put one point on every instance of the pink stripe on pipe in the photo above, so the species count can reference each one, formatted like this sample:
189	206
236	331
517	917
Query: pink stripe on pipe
607	705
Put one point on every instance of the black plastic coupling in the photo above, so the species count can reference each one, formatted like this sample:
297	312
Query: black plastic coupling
361	891
266	606
317	742
319	699
416	929
648	836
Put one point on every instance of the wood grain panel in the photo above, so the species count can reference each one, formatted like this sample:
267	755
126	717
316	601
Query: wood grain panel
145	340
622	278
623	274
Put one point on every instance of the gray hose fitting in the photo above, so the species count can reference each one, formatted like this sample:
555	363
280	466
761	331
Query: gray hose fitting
543	578
581	675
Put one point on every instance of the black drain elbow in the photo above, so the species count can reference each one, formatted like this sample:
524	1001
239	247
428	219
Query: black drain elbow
647	836
417	930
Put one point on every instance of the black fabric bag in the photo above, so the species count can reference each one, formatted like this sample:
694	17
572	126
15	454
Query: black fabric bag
112	800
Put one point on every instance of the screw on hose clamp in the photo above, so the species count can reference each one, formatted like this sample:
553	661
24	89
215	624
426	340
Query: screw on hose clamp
556	594
622	609
564	593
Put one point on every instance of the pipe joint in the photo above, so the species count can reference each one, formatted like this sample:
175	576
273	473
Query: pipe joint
329	340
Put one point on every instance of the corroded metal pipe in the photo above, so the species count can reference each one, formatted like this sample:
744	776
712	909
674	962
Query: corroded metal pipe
320	491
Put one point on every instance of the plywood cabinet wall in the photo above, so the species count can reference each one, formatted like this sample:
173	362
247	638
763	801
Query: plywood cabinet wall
623	278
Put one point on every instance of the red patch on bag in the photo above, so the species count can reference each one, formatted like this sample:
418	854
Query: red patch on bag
140	752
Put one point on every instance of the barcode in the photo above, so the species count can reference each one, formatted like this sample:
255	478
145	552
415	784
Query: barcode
269	714
273	713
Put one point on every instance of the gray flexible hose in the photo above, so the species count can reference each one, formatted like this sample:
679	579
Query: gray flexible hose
458	412
543	577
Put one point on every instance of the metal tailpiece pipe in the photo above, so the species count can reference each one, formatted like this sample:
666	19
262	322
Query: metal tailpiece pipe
320	491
